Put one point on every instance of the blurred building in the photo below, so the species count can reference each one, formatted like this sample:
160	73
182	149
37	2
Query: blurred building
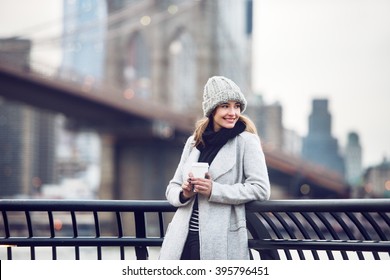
27	138
269	121
353	160
11	149
319	146
292	142
377	180
166	50
15	52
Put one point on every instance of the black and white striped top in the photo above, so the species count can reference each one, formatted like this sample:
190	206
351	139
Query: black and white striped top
194	221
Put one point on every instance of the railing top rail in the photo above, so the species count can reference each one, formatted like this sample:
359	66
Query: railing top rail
85	205
309	205
321	205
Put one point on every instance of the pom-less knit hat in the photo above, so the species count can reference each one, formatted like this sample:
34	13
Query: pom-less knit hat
218	90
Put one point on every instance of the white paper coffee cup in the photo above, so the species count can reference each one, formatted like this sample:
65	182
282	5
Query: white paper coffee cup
199	169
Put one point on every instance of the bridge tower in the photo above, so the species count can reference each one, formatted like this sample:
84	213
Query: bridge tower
163	52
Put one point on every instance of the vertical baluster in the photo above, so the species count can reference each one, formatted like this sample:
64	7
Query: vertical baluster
140	228
97	234
120	233
52	234
7	233
30	233
75	233
161	223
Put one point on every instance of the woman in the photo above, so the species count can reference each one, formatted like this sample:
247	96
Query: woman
210	220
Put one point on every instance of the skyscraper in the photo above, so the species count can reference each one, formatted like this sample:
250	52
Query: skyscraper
26	134
353	160
320	146
11	145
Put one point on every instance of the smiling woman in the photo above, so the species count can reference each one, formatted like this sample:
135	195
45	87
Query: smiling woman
210	220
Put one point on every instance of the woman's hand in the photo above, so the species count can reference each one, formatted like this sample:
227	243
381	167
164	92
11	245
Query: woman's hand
188	188
202	186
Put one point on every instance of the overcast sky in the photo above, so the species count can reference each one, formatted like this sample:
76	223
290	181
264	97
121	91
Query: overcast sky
335	49
37	19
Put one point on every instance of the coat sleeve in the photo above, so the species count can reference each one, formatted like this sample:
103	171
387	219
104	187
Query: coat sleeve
255	185
174	187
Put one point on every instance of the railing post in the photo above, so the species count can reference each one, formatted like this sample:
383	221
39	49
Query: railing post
141	251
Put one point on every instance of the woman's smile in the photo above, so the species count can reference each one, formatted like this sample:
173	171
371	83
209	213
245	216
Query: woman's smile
231	120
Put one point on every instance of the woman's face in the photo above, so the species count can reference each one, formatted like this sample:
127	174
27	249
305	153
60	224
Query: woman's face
226	115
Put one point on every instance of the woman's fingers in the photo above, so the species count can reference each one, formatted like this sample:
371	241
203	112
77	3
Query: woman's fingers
202	186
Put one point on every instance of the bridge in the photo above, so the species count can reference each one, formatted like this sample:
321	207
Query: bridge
139	129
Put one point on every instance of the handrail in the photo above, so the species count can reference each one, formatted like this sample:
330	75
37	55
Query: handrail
280	229
85	205
321	205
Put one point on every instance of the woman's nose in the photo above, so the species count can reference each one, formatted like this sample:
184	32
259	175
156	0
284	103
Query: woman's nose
231	111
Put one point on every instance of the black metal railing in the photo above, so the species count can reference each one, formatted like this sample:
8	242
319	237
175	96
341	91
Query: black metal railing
101	229
320	229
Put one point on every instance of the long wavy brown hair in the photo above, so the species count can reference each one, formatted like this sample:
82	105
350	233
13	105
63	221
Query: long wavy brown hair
202	124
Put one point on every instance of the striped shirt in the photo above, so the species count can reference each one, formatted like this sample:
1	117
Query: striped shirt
194	220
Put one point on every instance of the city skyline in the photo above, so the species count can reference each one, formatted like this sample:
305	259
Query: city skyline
288	68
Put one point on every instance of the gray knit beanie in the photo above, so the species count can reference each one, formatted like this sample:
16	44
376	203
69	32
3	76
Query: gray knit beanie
218	90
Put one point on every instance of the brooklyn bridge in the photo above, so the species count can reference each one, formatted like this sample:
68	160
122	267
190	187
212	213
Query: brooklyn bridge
142	141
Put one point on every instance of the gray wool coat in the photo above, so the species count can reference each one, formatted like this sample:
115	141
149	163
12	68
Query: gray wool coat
239	175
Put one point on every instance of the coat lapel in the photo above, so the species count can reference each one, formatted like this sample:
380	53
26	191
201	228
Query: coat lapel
224	160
